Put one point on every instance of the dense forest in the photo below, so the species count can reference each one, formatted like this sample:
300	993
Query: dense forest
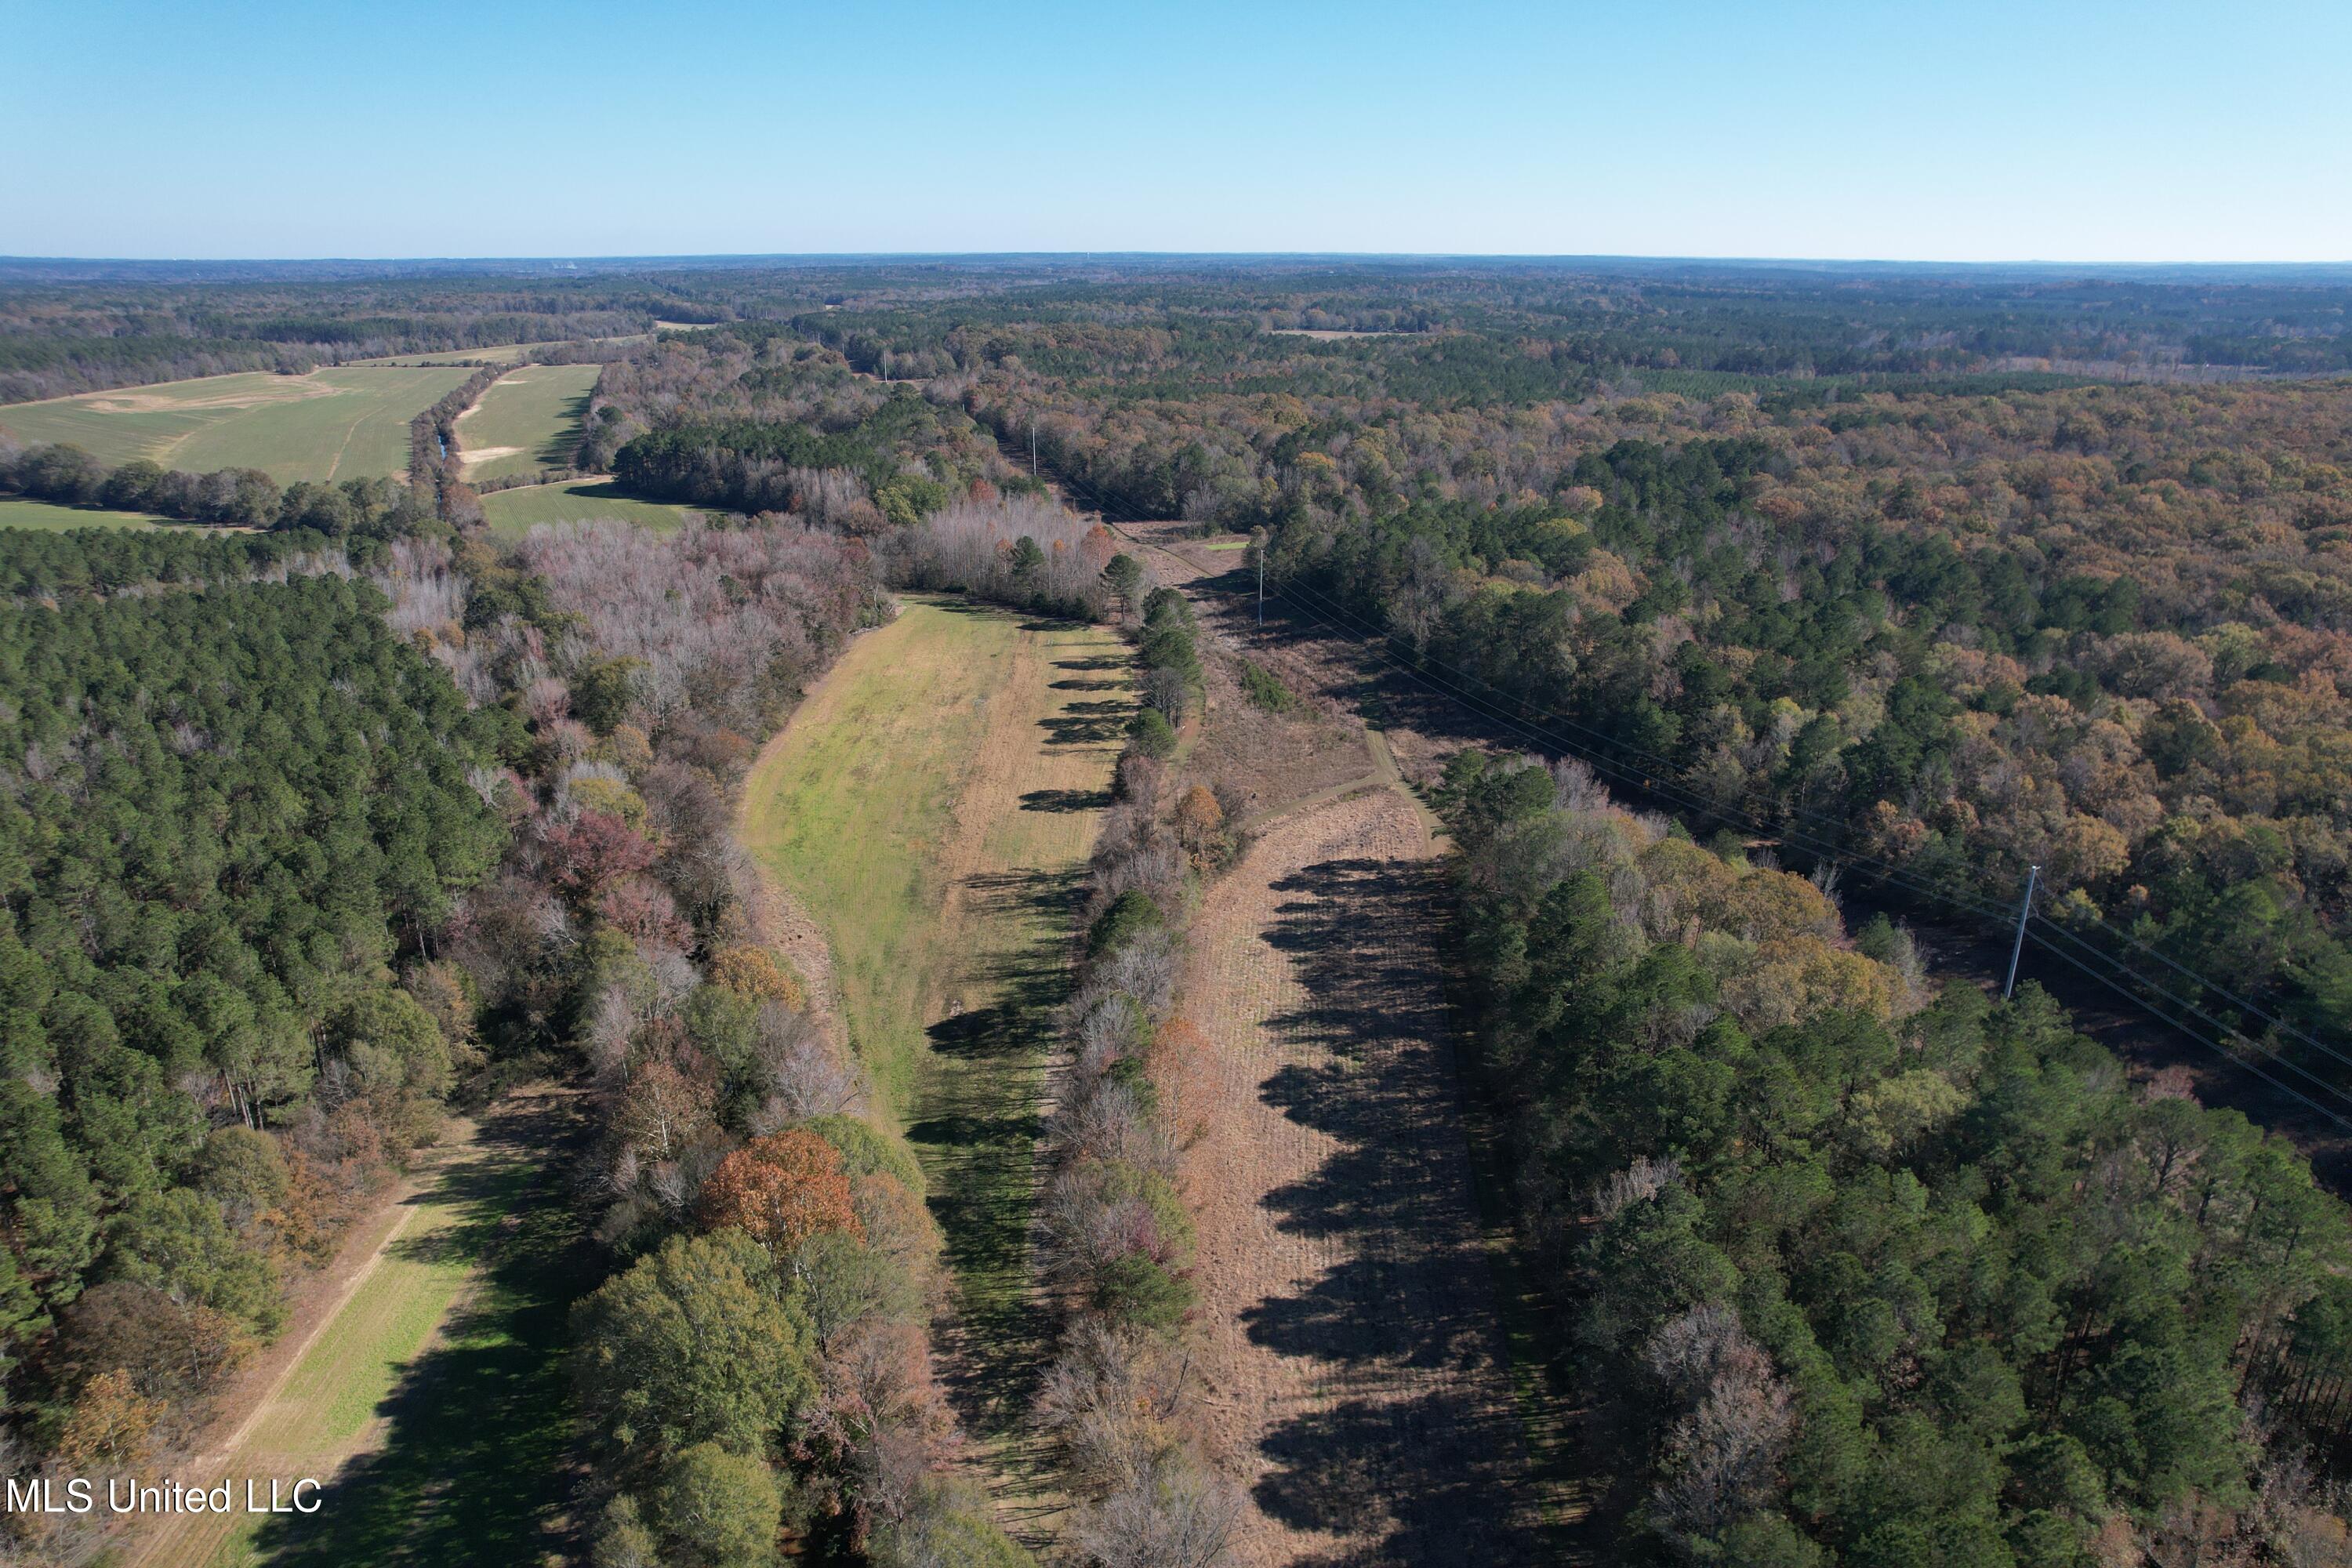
236	802
1952	625
1864	1270
1930	576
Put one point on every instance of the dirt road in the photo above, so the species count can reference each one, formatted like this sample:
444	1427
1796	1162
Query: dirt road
1352	1344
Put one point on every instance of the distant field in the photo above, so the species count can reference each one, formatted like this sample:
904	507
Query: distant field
340	424
18	513
517	510
501	353
529	419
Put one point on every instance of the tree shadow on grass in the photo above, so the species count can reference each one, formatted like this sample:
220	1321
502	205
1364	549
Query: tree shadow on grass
976	1125
473	1466
559	450
1424	1457
1062	800
1085	728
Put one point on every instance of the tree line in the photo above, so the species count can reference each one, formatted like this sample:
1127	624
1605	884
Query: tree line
227	498
1856	1269
754	1373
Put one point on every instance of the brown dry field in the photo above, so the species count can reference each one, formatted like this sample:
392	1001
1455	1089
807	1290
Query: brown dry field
1350	1338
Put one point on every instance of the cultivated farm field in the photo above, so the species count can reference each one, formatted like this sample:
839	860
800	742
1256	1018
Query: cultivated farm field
21	511
342	424
529	419
931	806
510	513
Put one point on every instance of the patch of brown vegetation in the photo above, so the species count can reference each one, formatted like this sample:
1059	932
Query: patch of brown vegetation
1351	1334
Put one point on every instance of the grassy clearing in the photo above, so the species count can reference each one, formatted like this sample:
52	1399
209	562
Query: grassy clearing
500	353
434	1396
340	424
529	419
932	807
15	511
513	513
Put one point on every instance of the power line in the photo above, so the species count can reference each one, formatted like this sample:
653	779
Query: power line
2215	1046
1835	831
1835	848
2042	933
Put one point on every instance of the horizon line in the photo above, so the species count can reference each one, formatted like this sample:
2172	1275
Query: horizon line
579	258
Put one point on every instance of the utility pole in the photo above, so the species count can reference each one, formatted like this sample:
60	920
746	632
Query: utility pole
1261	581
1033	446
2017	951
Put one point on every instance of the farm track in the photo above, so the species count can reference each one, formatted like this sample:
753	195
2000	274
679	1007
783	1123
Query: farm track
1352	1340
1354	1333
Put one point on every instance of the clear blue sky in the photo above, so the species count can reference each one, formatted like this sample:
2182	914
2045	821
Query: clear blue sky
1910	128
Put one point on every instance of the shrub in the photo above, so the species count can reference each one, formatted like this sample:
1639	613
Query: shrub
1265	688
1135	1288
1130	914
1151	733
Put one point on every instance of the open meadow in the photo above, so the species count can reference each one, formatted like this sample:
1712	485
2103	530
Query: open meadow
344	424
931	806
513	513
529	419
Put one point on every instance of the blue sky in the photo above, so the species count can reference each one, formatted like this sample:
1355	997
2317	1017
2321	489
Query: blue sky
1903	130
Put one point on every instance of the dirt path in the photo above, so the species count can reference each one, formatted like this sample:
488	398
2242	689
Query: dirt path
319	1400
1352	1344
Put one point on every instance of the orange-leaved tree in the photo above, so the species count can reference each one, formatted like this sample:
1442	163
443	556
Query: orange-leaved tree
780	1190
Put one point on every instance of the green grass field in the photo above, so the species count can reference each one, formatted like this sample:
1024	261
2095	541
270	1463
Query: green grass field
529	419
16	511
513	513
329	425
435	1398
931	806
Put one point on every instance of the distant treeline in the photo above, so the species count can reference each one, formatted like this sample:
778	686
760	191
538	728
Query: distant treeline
229	498
58	341
1528	330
